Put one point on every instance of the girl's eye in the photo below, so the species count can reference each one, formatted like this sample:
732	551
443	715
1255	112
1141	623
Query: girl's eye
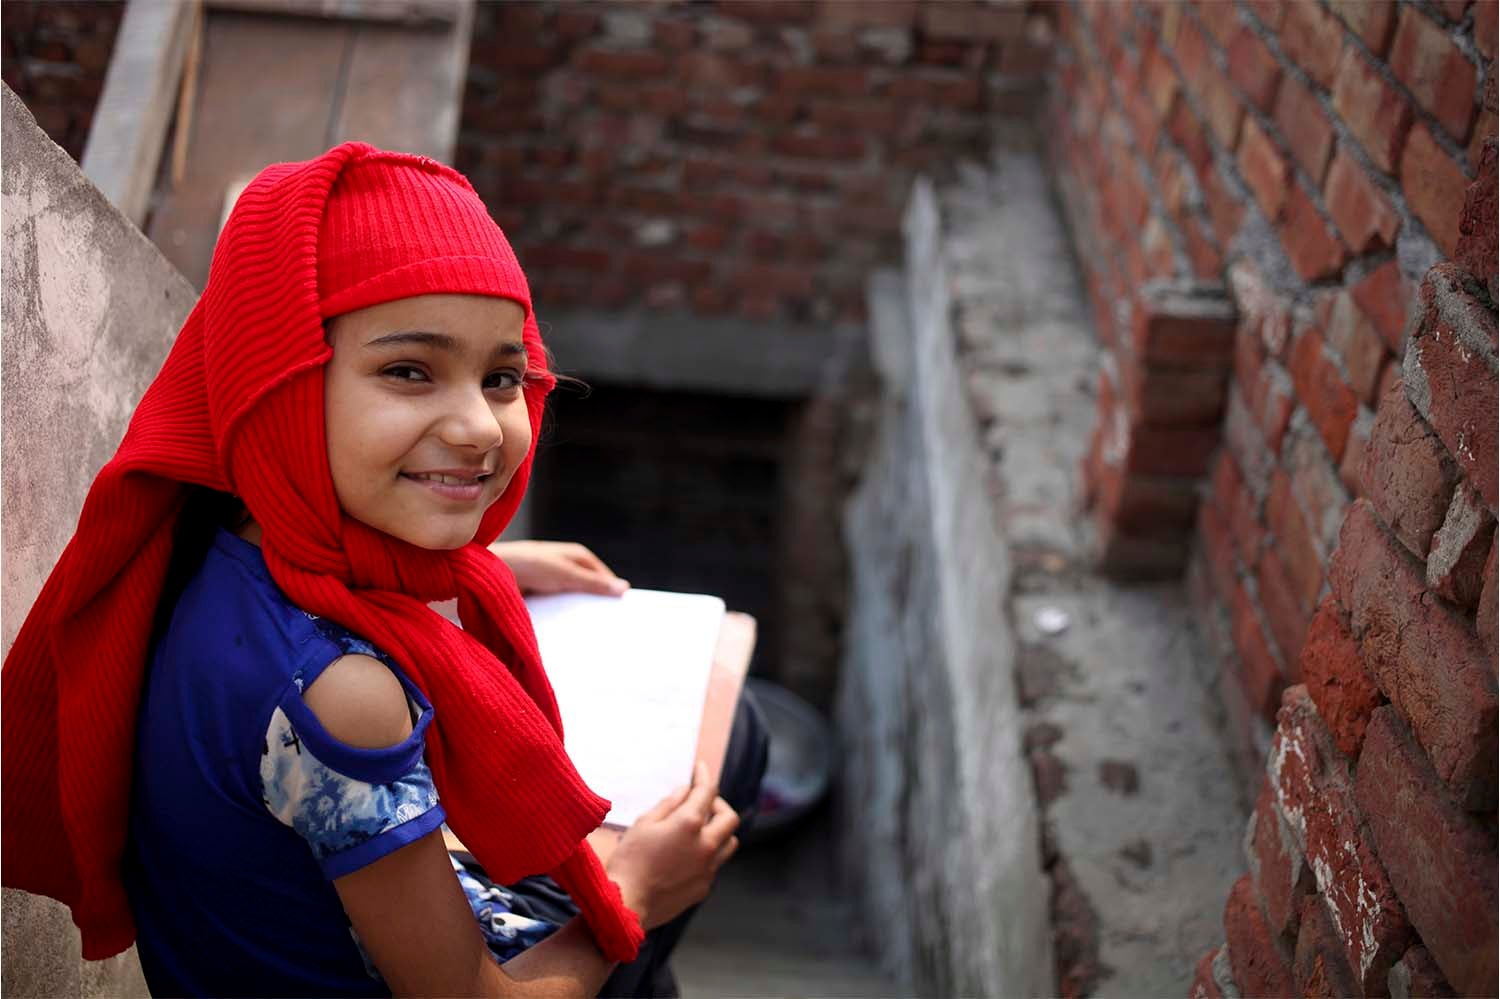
504	380
405	373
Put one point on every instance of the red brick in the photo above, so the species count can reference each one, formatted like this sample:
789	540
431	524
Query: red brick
1296	547
1254	69
1484	28
1375	112
1418	975
1246	443
1267	390
964	20
1315	795
1336	678
1315	483
1203	985
1222	108
1220	19
1351	468
1365	217
1424	58
833	146
1452	374
1214	539
1265	170
1371	20
1173	396
1424	656
1441	860
886	14
1478	225
1434	186
633	64
1408	475
1224	210
1455	566
1190	49
1282	877
1382	295
824	81
1319	966
1185	129
1330	402
1311	37
1489	608
1259	967
769	11
1286	620
1352	336
1179	330
1300	119
1207	263
1235	504
1316	253
1261	674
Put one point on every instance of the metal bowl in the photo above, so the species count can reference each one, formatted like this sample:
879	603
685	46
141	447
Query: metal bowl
799	763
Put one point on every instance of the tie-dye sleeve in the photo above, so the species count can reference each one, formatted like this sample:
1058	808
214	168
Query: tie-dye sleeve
352	805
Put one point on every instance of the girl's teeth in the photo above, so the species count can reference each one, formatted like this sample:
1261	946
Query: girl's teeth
447	480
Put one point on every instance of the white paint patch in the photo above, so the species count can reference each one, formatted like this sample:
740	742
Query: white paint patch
72	286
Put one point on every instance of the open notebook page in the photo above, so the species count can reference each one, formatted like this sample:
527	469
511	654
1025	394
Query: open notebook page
630	674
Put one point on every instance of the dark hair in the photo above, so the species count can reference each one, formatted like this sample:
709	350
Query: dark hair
203	511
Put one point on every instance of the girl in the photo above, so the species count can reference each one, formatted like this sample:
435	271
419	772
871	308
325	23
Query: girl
234	727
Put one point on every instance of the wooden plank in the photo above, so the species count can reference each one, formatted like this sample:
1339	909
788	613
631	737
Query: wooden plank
135	107
404	89
267	94
410	13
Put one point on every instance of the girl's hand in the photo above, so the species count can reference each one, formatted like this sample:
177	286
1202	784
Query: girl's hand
558	567
666	862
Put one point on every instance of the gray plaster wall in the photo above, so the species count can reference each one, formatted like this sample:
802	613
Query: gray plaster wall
89	308
937	807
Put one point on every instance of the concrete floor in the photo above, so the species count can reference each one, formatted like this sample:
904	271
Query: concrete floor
779	924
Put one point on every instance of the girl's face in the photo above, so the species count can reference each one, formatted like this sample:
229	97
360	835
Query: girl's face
426	421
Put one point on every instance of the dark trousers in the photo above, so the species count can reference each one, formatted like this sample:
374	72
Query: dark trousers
649	976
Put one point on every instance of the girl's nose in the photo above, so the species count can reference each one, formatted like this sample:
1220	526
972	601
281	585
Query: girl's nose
471	422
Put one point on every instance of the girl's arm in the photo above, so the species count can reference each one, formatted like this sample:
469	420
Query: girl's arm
410	913
414	922
558	567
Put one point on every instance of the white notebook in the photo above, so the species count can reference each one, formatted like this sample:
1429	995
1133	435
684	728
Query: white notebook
631	675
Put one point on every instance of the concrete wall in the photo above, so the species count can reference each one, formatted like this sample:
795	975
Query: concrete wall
90	308
937	800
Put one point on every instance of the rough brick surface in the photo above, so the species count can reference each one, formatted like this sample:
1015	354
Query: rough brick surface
1265	170
1374	110
1439	857
1203	985
1450	372
1315	794
1455	566
1408	474
1352	336
1423	655
1303	125
1282	877
1485	619
1296	545
1442	80
1260	969
1384	297
1371	20
1312	38
1316	253
1477	226
1319	965
1336	677
1417	976
1363	214
1434	185
1329	400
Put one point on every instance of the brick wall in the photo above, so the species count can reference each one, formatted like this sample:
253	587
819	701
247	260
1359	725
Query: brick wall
731	158
1294	271
55	57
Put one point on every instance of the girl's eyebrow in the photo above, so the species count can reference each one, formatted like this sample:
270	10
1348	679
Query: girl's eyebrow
441	341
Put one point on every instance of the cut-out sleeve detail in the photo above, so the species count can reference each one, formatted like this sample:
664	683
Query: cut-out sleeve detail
349	812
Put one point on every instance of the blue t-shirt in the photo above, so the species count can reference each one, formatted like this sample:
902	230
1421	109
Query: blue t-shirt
244	807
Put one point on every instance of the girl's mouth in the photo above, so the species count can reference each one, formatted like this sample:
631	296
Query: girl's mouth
462	488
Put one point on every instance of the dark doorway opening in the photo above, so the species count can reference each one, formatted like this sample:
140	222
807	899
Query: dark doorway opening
675	491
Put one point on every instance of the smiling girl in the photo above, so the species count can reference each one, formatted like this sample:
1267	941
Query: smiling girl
233	725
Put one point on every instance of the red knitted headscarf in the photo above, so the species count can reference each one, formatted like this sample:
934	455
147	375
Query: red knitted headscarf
238	407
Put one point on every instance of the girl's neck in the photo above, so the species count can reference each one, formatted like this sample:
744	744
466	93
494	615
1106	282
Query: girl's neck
248	527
